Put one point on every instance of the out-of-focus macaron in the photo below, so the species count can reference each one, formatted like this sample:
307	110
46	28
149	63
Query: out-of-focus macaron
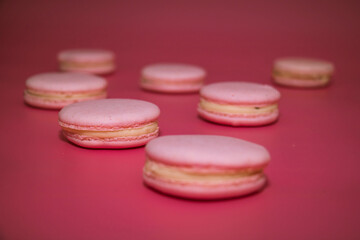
93	61
239	103
110	123
56	90
302	72
204	166
172	78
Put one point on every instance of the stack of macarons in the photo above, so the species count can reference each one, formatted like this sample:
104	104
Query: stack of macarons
187	166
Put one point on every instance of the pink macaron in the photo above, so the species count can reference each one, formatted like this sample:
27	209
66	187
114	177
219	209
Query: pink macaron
302	72
56	90
110	123
239	103
93	61
172	78
205	166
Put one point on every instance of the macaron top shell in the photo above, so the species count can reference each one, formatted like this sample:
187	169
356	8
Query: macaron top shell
240	93
303	65
207	151
108	114
65	82
86	55
173	72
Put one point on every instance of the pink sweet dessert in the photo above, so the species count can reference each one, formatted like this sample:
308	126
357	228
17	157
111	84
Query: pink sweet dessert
205	166
172	78
56	90
302	72
110	123
87	60
239	103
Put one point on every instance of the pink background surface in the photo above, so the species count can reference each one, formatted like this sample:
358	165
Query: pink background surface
51	189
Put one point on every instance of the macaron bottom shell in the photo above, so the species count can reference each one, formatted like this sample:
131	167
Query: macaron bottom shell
239	119
180	87
101	69
203	192
125	138
57	102
301	83
110	143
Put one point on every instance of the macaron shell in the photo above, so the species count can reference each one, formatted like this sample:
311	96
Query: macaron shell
239	120
204	192
65	83
173	72
171	88
86	55
129	142
207	151
293	82
242	93
303	65
55	104
92	70
108	114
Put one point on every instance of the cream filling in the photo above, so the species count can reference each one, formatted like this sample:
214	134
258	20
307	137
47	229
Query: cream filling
319	77
183	174
235	109
167	82
64	96
127	132
69	64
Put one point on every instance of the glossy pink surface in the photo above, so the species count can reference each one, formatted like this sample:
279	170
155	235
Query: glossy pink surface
50	189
